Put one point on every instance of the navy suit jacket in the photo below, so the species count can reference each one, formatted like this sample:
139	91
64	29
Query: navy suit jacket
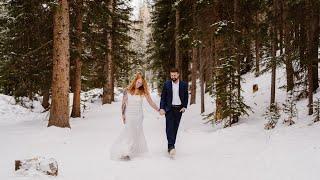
166	95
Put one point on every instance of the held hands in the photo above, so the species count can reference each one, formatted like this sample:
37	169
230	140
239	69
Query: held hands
183	110
124	119
162	112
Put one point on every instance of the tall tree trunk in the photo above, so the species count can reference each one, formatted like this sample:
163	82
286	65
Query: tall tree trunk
257	51
185	66
288	48
210	66
177	44
218	72
45	100
108	64
280	25
273	59
202	63
194	66
236	53
312	20
315	45
76	112
257	47
59	112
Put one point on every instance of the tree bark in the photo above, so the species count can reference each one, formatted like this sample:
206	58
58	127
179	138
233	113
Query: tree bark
194	66
219	87
202	63
76	112
315	43
108	64
177	44
236	53
273	59
312	20
59	111
45	100
288	48
257	47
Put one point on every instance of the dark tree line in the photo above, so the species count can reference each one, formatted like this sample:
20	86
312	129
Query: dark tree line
51	48
219	41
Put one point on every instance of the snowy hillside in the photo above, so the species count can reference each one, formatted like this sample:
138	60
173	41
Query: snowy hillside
244	152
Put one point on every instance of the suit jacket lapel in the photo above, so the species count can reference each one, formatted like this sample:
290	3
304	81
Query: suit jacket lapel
170	90
180	90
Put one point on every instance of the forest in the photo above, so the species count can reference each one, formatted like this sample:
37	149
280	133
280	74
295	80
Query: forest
53	48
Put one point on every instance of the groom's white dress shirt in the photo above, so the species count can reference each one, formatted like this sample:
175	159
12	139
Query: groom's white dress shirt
175	94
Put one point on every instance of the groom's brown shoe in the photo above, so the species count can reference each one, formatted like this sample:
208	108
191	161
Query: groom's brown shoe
125	158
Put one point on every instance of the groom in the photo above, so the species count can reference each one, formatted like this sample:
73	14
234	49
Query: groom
174	101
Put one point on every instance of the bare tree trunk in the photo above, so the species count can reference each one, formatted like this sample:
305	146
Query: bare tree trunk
257	51
257	47
273	73
108	64
316	30
273	59
218	72
194	66
312	20
76	112
210	66
202	63
288	49
45	100
280	25
177	44
236	53
59	112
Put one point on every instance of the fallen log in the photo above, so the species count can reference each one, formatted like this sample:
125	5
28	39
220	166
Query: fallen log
40	164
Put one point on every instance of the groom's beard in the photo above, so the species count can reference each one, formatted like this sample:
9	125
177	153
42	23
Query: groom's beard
174	79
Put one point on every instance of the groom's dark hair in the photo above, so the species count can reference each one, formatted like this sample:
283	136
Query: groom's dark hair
174	70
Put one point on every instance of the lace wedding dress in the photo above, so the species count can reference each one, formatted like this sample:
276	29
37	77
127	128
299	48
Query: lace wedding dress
131	142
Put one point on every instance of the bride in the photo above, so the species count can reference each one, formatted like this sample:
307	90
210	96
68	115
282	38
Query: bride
131	141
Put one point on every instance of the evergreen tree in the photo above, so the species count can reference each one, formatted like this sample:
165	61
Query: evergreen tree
272	116
26	48
316	106
290	109
161	45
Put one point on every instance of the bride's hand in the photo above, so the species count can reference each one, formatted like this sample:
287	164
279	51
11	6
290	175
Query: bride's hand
124	119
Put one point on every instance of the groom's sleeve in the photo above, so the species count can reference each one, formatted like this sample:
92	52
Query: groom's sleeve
163	97
186	96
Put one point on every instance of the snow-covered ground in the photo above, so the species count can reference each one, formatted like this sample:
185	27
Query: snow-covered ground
244	152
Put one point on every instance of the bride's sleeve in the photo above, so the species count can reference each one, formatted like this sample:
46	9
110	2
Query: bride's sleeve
124	102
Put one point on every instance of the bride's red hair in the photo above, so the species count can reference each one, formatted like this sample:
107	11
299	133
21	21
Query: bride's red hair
142	90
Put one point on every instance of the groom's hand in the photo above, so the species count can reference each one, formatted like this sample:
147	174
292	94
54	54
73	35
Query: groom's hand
162	112
183	110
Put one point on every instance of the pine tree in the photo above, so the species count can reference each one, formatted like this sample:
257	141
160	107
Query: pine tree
290	109
161	45
127	60
316	106
226	91
26	48
272	116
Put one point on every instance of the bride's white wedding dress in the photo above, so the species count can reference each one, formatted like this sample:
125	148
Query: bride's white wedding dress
131	141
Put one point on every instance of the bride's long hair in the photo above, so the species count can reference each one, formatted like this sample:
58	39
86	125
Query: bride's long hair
143	89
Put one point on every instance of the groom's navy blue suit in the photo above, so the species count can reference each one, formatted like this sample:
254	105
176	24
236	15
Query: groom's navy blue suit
173	114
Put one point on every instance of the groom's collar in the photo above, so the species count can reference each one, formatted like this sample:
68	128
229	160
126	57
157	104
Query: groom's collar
178	82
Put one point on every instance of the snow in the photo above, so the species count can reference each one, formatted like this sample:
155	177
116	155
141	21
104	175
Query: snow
244	151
